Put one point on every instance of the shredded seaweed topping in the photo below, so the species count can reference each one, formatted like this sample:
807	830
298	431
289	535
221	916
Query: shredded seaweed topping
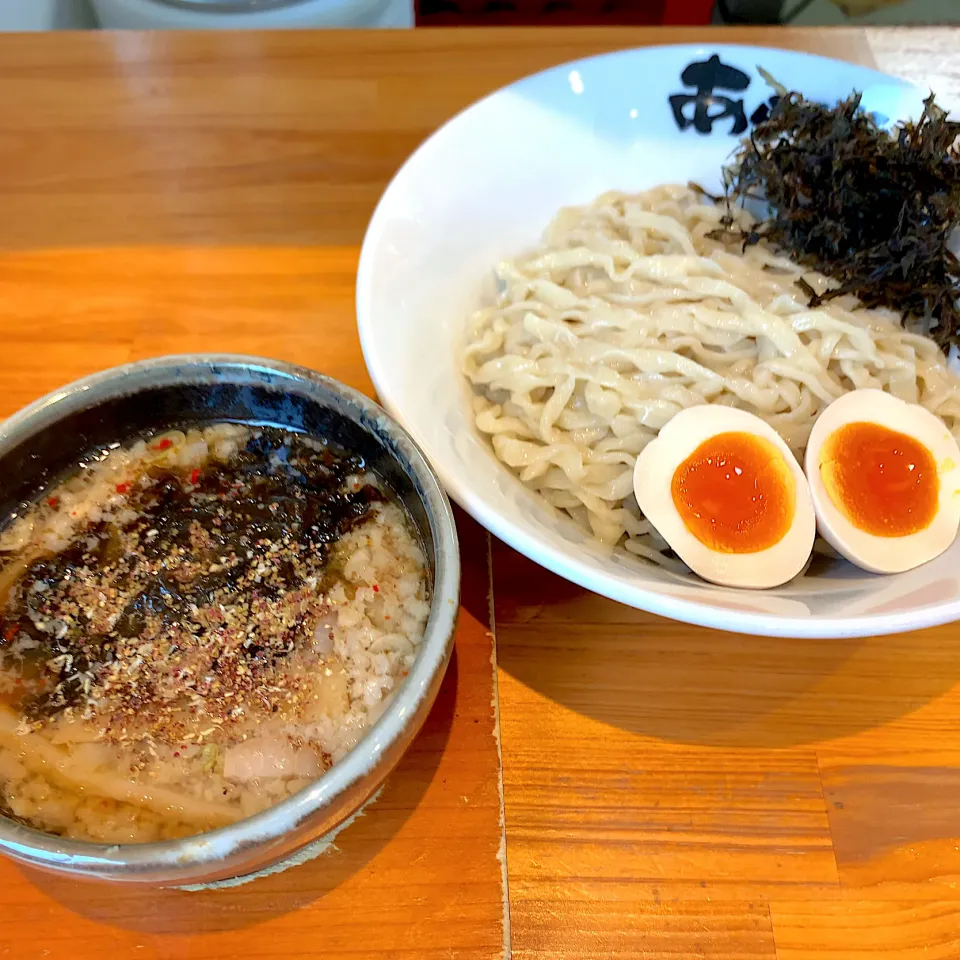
872	209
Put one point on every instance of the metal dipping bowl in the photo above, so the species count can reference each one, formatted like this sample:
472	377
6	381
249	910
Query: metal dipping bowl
44	440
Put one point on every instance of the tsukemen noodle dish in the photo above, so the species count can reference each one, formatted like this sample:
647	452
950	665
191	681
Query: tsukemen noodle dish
195	625
704	382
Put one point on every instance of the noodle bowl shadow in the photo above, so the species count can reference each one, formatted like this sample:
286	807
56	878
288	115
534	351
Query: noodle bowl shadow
42	442
708	689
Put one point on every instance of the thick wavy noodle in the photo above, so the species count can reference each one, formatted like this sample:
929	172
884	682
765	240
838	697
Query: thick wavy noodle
629	313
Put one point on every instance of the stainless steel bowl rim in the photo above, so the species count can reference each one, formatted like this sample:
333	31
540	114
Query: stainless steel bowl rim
191	854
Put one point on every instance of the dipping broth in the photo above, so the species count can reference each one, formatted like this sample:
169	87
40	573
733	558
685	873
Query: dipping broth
194	627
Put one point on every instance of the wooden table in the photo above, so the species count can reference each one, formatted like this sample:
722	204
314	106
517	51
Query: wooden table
605	783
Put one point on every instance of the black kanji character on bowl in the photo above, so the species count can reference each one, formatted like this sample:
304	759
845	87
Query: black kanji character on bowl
707	76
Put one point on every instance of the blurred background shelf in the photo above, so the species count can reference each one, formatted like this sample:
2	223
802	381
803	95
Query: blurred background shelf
31	15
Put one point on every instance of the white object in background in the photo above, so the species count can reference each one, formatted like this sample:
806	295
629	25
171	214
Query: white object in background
915	52
824	13
483	188
251	14
45	15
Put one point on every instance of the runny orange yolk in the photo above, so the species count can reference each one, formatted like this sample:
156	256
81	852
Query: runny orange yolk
885	483
735	493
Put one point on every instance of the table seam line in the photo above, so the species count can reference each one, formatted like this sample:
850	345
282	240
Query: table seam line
502	850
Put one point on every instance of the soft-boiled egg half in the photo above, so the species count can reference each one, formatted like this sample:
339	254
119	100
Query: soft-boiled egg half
728	496
885	479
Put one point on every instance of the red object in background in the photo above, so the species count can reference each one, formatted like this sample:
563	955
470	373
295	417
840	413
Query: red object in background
479	13
694	13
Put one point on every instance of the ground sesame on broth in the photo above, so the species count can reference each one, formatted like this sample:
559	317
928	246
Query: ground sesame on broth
213	616
203	594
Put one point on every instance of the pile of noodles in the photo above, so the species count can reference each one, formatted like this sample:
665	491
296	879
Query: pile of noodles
630	312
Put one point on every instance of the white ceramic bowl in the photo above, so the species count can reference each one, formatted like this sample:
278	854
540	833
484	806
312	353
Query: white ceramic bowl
484	187
251	14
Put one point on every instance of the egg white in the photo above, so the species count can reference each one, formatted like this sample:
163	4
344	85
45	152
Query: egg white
886	554
653	477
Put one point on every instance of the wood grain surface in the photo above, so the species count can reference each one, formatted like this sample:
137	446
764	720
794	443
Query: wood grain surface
667	791
418	874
